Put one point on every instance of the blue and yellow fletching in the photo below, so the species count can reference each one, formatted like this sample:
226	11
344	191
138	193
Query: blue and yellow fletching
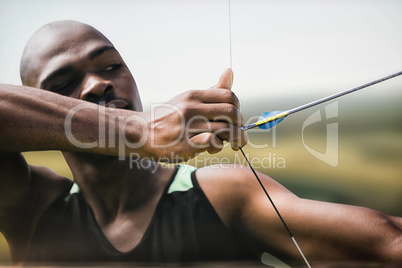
270	119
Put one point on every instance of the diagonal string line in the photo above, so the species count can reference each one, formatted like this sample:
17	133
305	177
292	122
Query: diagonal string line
266	193
276	210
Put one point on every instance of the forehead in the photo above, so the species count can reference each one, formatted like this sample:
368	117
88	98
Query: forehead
60	49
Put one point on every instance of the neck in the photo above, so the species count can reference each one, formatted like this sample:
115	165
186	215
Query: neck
113	187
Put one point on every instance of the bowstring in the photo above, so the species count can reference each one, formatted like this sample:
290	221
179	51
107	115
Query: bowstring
230	36
248	162
276	210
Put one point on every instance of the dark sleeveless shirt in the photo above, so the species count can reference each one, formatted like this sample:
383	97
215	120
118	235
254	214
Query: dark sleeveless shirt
184	228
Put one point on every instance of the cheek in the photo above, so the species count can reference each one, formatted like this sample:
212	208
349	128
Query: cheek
137	104
127	88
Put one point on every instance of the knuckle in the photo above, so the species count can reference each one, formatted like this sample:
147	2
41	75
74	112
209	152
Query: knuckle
191	95
224	133
229	95
185	110
188	110
231	111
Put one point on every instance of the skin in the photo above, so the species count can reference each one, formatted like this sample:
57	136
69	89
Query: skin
123	199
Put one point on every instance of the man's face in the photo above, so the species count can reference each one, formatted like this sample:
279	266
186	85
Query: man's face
83	64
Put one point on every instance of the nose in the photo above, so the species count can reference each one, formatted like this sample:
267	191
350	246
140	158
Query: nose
95	86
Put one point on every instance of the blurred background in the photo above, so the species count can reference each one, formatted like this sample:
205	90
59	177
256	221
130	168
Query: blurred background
284	53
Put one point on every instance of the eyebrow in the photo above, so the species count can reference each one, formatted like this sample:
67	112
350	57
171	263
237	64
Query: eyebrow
58	72
66	69
99	51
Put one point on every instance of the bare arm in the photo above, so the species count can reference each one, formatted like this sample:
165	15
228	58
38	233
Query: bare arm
328	231
34	119
324	231
191	123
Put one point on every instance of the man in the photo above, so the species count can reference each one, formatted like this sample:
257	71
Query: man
119	212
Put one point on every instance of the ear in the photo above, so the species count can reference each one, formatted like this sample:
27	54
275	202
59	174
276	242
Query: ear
226	79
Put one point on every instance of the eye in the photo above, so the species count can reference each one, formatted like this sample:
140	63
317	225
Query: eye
112	67
63	88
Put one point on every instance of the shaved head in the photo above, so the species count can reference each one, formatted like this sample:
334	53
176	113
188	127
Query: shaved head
76	60
51	40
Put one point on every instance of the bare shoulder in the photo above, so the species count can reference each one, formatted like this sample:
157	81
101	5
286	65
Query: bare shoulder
242	205
47	185
221	174
231	188
236	179
50	180
26	191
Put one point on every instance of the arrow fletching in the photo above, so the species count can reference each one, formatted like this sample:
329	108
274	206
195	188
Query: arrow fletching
270	119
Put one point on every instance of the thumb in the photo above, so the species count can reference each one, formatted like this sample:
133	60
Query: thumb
226	79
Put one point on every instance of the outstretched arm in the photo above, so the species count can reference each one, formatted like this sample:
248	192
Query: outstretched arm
324	231
327	231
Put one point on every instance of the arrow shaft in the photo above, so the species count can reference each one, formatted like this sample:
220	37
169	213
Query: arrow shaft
317	102
337	95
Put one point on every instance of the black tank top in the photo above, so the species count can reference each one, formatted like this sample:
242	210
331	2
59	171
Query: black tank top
184	228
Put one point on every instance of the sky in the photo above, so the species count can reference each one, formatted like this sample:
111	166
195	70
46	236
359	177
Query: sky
280	48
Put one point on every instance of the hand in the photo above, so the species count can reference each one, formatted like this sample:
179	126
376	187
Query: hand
196	121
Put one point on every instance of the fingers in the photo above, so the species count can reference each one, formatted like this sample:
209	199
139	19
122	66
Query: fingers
213	95
230	133
223	118
206	142
226	80
211	143
207	118
214	112
211	135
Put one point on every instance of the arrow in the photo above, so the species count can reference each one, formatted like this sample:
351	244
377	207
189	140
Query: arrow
270	119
